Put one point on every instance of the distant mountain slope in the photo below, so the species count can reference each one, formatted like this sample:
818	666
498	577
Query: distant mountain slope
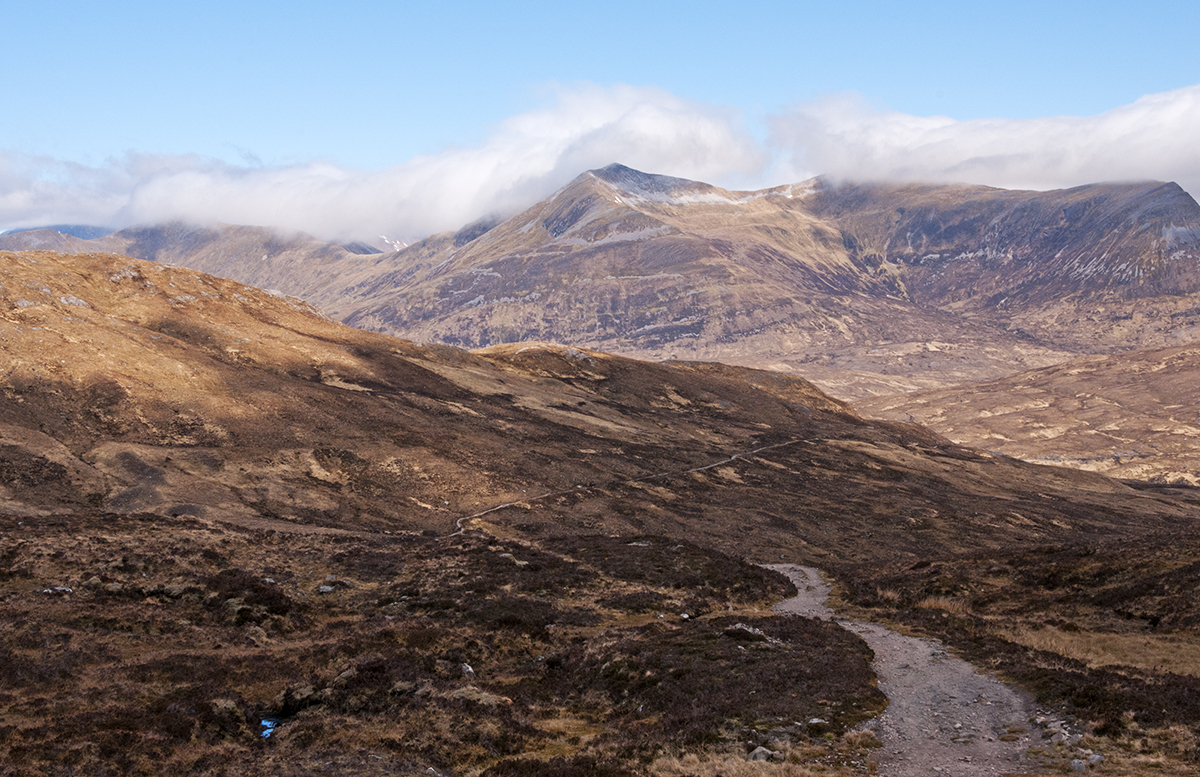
867	288
860	286
141	388
999	248
1095	268
643	264
292	262
1133	415
82	231
45	239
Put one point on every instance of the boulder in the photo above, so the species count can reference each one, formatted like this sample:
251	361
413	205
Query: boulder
759	754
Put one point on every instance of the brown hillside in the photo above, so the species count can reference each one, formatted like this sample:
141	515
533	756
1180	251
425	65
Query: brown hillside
149	388
1131	415
218	506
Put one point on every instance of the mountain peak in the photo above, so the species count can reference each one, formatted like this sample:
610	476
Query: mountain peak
651	187
627	177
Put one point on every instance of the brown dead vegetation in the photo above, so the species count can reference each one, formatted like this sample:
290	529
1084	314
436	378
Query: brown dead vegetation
210	522
140	644
1107	632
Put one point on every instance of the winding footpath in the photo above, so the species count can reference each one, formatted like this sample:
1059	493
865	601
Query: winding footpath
943	716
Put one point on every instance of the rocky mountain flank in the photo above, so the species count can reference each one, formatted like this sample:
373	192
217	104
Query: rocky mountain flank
135	387
917	283
866	288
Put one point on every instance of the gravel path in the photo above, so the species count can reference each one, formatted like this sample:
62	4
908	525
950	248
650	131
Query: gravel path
943	717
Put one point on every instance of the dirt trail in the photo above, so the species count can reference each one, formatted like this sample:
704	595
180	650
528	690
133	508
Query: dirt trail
943	717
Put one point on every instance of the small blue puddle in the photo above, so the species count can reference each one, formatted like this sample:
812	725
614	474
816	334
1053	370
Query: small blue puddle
268	725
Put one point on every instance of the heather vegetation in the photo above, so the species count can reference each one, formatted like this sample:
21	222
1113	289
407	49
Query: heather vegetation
222	508
1106	632
140	644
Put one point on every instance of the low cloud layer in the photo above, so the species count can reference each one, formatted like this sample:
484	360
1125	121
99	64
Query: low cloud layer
526	157
530	155
1152	138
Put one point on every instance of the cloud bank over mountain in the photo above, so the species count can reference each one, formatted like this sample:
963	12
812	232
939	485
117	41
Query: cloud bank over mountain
1151	138
531	154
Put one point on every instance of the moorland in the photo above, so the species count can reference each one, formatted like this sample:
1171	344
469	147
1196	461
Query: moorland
226	514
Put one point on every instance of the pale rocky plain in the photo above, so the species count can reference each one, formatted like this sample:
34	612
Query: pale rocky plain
525	538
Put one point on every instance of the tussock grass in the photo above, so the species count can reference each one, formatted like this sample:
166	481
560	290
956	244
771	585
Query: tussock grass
692	765
861	739
887	595
1177	654
947	603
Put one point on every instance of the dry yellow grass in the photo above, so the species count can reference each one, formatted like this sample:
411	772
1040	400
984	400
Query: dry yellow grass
1164	653
856	748
737	766
887	595
947	603
861	739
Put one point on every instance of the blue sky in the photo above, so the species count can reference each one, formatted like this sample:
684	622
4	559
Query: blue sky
418	116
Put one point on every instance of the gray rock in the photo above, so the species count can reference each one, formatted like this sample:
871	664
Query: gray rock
1095	759
759	754
1078	766
745	631
303	692
326	589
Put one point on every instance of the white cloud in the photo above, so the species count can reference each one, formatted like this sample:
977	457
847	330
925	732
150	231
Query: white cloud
525	157
39	190
1154	137
531	154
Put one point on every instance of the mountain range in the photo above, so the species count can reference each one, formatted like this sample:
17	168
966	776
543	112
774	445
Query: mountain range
873	291
868	289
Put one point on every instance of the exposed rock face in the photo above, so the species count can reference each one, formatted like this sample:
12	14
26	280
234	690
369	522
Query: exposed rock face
1005	249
